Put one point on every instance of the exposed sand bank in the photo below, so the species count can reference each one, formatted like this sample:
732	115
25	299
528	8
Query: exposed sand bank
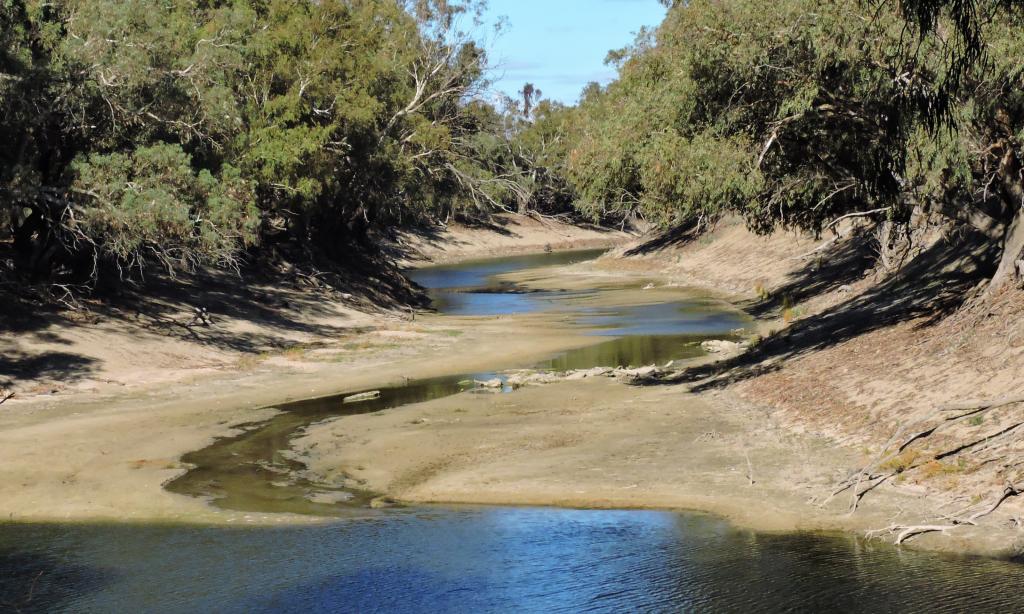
590	443
102	452
505	235
107	401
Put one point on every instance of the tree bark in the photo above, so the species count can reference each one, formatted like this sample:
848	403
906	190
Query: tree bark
1012	184
1013	248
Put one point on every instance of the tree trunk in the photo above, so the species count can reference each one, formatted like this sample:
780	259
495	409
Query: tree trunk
1013	253
1012	183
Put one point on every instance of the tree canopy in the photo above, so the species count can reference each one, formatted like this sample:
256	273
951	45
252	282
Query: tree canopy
797	113
187	133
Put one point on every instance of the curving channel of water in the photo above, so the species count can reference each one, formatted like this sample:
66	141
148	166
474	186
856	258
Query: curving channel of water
253	470
427	559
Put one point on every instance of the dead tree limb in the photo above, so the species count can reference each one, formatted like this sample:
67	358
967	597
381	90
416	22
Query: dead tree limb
905	532
983	405
853	215
968	409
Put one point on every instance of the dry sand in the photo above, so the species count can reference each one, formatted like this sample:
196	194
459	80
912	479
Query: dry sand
101	449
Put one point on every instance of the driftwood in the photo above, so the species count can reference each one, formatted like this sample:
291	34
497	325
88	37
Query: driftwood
905	532
5	395
869	477
200	316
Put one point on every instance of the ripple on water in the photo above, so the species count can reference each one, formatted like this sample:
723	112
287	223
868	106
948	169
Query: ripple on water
487	560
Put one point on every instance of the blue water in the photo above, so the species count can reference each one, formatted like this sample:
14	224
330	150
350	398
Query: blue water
470	288
477	559
486	560
478	273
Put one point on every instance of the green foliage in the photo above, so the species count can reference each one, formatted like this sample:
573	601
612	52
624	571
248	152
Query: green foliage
152	201
185	132
797	113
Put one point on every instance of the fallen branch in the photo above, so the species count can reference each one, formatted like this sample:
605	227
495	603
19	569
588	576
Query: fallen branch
853	215
5	395
982	405
905	532
820	248
970	408
868	472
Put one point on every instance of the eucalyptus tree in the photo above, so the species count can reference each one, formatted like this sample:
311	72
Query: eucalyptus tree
186	132
801	113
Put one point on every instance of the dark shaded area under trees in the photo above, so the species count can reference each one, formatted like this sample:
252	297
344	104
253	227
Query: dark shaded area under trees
145	139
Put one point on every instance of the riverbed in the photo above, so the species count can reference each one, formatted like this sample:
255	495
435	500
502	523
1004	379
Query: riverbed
450	558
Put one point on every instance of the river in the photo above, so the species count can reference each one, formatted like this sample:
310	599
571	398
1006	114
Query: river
434	559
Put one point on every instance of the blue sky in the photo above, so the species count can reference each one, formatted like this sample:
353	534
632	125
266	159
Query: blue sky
560	45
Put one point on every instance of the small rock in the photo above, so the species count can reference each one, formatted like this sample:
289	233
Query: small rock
719	346
491	383
362	396
585	373
382	502
328	497
640	372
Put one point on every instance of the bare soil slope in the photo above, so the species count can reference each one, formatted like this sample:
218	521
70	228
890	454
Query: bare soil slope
916	365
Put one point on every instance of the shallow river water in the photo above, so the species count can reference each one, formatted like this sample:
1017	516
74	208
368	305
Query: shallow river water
487	560
429	559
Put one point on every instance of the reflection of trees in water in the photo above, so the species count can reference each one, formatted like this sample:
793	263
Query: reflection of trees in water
629	351
250	471
37	582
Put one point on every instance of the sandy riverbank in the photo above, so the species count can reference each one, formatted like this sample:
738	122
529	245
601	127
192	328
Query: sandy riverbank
601	444
107	401
595	443
103	452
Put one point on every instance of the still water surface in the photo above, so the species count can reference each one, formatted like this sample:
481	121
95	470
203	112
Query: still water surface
254	472
473	560
487	560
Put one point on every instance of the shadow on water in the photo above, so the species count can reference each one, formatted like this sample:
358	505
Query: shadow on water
490	560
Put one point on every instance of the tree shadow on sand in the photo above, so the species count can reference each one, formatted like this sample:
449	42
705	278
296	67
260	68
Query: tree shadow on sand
18	364
275	301
935	284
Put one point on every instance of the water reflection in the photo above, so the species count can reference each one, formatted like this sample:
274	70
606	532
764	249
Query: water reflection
693	317
469	288
477	273
253	471
628	352
489	560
